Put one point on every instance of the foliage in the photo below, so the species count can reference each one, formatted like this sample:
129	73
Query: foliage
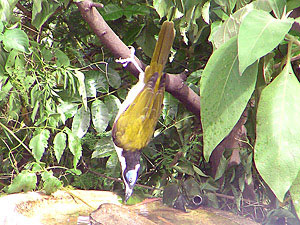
59	96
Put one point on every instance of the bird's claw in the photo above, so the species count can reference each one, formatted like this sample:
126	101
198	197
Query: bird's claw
131	59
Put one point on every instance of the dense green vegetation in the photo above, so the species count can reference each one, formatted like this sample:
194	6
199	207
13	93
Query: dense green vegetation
60	89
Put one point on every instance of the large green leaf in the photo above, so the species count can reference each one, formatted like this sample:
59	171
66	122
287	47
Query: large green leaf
224	94
16	39
277	148
39	143
81	122
24	181
231	25
100	115
259	34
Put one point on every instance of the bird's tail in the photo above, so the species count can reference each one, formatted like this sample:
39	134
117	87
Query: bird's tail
161	51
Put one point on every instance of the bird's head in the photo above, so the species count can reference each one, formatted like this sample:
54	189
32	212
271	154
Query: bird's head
130	165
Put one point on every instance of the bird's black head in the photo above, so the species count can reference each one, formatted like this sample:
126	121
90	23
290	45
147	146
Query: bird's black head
130	164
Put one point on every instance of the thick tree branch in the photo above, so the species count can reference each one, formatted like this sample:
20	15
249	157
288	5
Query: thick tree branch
174	83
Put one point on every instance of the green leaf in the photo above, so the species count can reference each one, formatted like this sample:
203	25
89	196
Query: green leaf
277	148
147	41
24	181
14	105
10	62
113	104
111	12
95	81
132	33
113	78
41	11
227	5
292	4
51	183
5	90
81	122
59	143
6	9
295	194
16	39
277	7
162	7
39	143
100	115
224	94
81	88
261	5
184	168
199	172
230	27
74	146
103	148
221	167
171	192
259	34
205	12
135	10
67	110
113	165
61	58
20	68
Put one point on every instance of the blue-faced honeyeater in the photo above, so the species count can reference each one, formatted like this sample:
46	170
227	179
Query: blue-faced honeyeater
138	115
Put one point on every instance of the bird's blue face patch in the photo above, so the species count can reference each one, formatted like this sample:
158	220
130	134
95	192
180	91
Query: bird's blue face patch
131	177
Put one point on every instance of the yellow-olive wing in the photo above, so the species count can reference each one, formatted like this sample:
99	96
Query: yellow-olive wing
135	126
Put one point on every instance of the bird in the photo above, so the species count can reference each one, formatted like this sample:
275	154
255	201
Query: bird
137	117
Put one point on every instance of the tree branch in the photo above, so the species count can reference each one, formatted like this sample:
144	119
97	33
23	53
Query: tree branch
174	83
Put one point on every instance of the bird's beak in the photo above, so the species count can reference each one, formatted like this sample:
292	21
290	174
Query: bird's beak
128	193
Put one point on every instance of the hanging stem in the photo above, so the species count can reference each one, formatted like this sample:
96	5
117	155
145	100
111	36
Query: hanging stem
289	52
15	136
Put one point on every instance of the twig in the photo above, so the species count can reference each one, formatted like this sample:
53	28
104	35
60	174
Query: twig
248	201
118	179
16	137
295	58
74	196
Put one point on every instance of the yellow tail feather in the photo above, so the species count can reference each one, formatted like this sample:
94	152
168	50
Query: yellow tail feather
134	127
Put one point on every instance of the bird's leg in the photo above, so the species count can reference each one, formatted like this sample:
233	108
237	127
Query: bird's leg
131	59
